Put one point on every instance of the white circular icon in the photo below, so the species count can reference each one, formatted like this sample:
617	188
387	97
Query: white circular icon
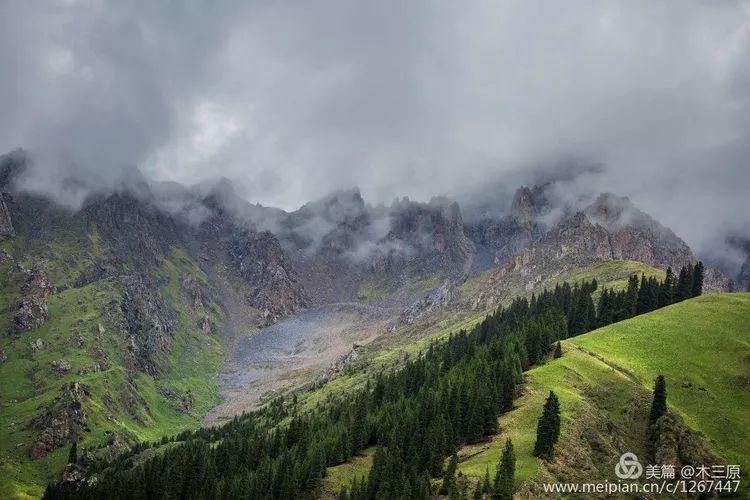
628	467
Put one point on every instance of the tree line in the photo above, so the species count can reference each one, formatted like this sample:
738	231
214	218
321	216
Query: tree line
416	415
649	294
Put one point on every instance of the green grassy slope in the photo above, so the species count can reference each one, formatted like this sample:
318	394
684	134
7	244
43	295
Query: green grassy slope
702	347
122	406
604	379
389	351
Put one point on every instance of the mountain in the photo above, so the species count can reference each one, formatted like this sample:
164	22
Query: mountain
119	315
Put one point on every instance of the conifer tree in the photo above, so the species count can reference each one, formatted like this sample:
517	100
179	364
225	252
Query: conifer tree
604	310
697	285
449	478
642	304
504	478
659	403
652	297
684	287
558	350
666	289
631	298
483	486
548	428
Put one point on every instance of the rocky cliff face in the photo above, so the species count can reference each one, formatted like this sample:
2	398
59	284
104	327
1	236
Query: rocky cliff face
634	235
610	228
502	237
6	225
61	422
148	323
9	164
429	236
274	289
31	311
332	226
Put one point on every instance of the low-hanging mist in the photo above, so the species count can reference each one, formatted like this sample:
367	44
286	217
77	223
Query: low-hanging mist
295	101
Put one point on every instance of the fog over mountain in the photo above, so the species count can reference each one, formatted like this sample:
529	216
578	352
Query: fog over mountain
293	101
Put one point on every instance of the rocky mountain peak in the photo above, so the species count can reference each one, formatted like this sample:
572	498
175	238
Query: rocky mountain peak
522	208
435	232
634	235
613	211
340	207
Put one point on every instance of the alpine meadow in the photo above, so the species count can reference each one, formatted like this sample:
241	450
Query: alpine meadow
374	251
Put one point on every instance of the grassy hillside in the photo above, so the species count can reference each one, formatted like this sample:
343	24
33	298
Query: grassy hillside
389	351
604	379
84	330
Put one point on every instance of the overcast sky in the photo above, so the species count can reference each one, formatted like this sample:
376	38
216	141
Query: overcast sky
295	99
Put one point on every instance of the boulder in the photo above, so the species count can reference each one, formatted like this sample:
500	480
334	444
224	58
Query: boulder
61	366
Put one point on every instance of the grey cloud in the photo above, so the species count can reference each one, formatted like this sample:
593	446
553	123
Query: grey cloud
295	99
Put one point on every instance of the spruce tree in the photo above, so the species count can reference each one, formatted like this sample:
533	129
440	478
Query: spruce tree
666	289
659	404
631	298
684	288
697	285
483	486
449	478
652	298
548	428
504	478
606	312
679	289
642	303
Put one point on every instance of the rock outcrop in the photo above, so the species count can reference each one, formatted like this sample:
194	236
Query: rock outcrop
148	322
340	365
6	225
611	228
193	291
62	422
429	237
636	236
440	297
61	366
503	237
30	314
31	311
261	262
35	282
